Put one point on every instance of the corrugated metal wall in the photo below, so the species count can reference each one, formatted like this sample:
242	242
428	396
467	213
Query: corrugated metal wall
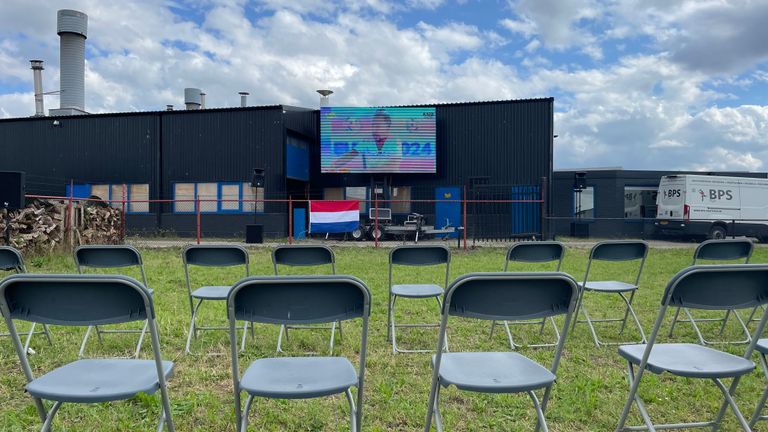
103	149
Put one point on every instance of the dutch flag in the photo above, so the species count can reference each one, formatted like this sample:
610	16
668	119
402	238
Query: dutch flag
333	216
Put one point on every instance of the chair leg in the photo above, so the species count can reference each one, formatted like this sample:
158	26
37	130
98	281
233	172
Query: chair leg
352	412
674	322
634	397
98	335
725	321
393	325
141	339
389	316
29	337
509	335
280	338
192	330
47	332
695	326
542	422
579	305
49	417
438	416
248	402
245	335
85	340
333	333
734	408
631	310
591	326
756	416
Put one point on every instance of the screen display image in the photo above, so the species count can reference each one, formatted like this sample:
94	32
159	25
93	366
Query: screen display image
377	140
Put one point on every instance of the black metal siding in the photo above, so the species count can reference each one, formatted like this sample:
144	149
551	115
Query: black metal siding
83	149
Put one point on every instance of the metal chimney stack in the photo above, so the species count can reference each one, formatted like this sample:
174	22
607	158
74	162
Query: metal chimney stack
192	98
72	27
325	100
243	98
37	73
202	100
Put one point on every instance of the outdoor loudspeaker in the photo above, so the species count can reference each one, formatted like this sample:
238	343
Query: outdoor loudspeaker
11	189
580	181
257	179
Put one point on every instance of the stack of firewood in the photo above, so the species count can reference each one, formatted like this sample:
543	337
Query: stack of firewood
42	225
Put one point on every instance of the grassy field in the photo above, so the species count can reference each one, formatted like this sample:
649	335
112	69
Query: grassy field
588	396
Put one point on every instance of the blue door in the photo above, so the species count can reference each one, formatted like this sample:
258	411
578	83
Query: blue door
448	208
299	223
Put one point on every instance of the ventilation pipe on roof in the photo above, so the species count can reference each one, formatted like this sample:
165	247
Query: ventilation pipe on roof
72	27
325	99
37	74
243	98
202	100
192	98
169	107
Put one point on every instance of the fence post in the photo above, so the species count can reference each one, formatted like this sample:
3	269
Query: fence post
122	218
197	210
464	223
290	219
376	218
70	217
544	219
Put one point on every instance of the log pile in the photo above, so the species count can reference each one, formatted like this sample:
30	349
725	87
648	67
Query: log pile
42	226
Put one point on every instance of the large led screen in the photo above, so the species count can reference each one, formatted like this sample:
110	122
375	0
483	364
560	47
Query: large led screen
377	140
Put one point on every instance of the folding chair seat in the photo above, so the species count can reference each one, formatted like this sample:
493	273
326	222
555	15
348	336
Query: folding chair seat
110	257
613	251
698	287
501	296
305	256
541	252
12	261
299	300
85	300
718	250
211	256
414	256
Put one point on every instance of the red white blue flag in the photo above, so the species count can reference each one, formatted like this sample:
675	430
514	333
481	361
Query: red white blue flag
333	216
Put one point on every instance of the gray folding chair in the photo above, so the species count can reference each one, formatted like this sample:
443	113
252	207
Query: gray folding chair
299	300
211	256
613	251
501	296
111	256
304	256
414	255
540	252
718	250
11	261
762	349
83	300
698	287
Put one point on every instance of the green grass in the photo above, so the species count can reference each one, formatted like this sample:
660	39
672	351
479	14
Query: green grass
588	396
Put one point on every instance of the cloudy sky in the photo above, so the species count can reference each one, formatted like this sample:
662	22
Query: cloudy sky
643	84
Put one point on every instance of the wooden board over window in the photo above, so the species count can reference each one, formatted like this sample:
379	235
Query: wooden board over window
184	191
138	192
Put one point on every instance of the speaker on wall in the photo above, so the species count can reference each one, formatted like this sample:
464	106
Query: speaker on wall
580	181
12	189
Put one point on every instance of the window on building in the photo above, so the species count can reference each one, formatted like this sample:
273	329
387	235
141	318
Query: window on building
640	202
230	197
118	193
400	197
208	194
333	194
252	199
101	191
360	194
184	191
584	203
138	193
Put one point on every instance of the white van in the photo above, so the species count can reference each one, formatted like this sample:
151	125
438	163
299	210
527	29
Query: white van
712	206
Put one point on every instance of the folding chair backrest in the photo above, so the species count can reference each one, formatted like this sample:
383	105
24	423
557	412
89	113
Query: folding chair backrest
109	256
303	256
719	287
724	250
11	260
536	252
299	299
215	255
619	250
417	255
511	296
75	300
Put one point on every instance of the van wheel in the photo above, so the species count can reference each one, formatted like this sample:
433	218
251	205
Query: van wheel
358	233
717	232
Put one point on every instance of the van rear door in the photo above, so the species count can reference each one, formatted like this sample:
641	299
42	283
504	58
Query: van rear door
670	200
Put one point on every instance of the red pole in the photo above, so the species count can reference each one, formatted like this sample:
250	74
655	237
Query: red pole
464	223
376	218
290	219
197	209
122	218
70	219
